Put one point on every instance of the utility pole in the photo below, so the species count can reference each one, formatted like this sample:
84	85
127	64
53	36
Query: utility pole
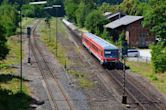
20	7
56	33
48	26
29	44
49	31
20	47
124	55
124	97
56	6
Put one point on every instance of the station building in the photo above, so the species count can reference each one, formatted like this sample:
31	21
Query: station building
135	34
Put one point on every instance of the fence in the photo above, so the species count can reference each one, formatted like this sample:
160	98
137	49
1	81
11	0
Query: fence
139	59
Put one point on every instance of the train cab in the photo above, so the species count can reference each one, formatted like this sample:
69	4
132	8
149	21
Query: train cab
111	55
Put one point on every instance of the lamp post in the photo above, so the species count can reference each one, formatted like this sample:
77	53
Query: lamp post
56	6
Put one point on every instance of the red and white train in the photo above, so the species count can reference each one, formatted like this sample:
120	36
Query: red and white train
105	52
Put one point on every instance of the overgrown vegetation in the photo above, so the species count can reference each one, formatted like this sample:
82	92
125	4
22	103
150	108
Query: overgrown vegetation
8	24
82	78
50	43
146	70
49	38
159	57
86	15
94	22
10	96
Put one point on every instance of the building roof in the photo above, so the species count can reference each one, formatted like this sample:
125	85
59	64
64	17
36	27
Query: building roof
113	15
106	45
123	21
107	13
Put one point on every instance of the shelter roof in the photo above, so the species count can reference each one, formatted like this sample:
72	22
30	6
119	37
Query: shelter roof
123	21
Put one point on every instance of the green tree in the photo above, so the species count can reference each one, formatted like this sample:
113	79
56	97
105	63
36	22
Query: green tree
129	6
8	18
121	38
70	8
28	10
159	57
105	7
80	14
155	18
95	21
105	34
84	8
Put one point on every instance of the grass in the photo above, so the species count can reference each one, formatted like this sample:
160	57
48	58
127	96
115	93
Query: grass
10	96
145	69
83	80
50	42
25	23
10	82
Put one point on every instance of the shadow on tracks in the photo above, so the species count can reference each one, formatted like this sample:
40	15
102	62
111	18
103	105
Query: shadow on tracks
10	100
4	78
117	66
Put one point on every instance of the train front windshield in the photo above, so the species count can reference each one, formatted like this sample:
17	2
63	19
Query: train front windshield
111	53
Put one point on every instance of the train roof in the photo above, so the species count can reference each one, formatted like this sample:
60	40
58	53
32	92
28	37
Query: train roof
106	45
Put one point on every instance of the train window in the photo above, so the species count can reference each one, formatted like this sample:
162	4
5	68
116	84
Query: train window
100	52
111	53
86	40
95	48
107	52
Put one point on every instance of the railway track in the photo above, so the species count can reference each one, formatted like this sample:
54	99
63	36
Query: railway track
56	93
146	102
135	91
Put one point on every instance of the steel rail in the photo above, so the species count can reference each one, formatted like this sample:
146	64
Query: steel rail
51	100
49	71
141	92
121	84
55	79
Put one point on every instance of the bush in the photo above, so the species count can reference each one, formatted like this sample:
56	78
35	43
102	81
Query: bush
11	101
105	34
159	57
154	77
121	39
94	22
3	47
